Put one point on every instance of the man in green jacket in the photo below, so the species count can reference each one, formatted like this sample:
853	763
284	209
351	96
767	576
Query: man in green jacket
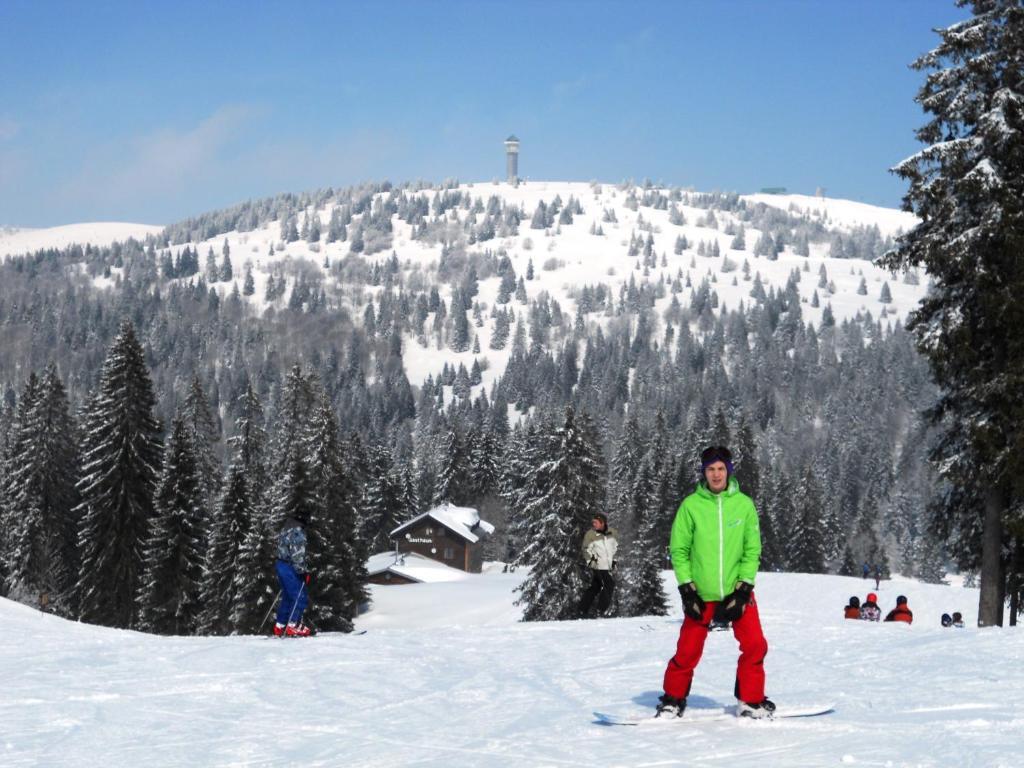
716	549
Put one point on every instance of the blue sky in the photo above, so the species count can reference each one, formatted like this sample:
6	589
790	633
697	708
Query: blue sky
152	111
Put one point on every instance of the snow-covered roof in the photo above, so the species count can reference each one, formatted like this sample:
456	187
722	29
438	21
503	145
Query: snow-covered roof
412	566
461	520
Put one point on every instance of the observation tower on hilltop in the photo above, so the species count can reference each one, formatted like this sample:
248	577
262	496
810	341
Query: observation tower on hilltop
512	159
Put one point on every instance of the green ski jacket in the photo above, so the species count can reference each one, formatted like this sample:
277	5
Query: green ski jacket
716	540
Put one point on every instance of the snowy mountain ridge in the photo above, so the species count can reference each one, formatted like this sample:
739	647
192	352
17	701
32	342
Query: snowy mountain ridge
15	241
669	239
683	247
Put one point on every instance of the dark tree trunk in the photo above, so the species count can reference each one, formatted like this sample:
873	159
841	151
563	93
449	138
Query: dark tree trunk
990	602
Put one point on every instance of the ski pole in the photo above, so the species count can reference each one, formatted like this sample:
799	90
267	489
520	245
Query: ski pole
270	611
302	586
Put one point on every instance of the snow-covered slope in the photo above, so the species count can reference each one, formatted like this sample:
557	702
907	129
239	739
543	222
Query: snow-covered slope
842	213
446	676
14	242
567	257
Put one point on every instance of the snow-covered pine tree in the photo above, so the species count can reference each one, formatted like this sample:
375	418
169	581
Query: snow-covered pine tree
967	188
173	551
40	496
569	477
19	508
250	444
121	454
515	486
229	528
622	486
238	580
382	504
453	475
204	432
644	594
484	471
807	546
336	558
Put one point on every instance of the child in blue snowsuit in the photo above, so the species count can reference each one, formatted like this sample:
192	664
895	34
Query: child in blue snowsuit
294	577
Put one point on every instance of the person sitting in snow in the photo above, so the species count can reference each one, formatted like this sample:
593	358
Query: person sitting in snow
294	576
901	612
852	610
947	620
716	549
958	620
600	545
869	610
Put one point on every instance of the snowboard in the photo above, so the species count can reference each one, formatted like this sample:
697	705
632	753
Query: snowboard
712	714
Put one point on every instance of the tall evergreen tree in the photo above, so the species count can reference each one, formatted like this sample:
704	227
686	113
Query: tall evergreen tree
383	503
229	529
967	188
645	593
40	496
121	453
336	557
569	476
202	429
173	553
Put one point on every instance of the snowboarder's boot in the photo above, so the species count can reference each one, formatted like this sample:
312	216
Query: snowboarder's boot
761	710
297	630
670	706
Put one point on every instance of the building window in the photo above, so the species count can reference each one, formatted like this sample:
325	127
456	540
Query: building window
449	553
429	531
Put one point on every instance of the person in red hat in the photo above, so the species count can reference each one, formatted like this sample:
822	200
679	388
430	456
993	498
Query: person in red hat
869	610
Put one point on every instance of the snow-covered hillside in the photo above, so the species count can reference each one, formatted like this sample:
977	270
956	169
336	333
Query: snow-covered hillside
447	676
841	213
14	241
594	249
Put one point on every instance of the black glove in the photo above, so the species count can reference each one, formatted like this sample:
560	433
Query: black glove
732	605
693	606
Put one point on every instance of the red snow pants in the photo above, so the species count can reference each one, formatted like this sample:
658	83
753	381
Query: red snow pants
749	669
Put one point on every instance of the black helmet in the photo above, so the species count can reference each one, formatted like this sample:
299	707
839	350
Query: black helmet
855	602
901	600
947	620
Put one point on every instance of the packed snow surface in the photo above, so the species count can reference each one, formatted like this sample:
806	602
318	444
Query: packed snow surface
447	675
14	242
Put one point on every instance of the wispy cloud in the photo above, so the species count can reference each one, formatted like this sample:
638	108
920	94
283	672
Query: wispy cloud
162	163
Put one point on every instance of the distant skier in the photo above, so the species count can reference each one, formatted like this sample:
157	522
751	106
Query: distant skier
958	620
600	545
294	577
852	610
901	612
947	620
878	576
866	570
869	610
716	549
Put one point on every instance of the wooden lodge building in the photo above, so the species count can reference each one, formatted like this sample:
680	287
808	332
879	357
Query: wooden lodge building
450	536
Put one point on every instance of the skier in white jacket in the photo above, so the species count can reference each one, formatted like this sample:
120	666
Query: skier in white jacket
599	547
